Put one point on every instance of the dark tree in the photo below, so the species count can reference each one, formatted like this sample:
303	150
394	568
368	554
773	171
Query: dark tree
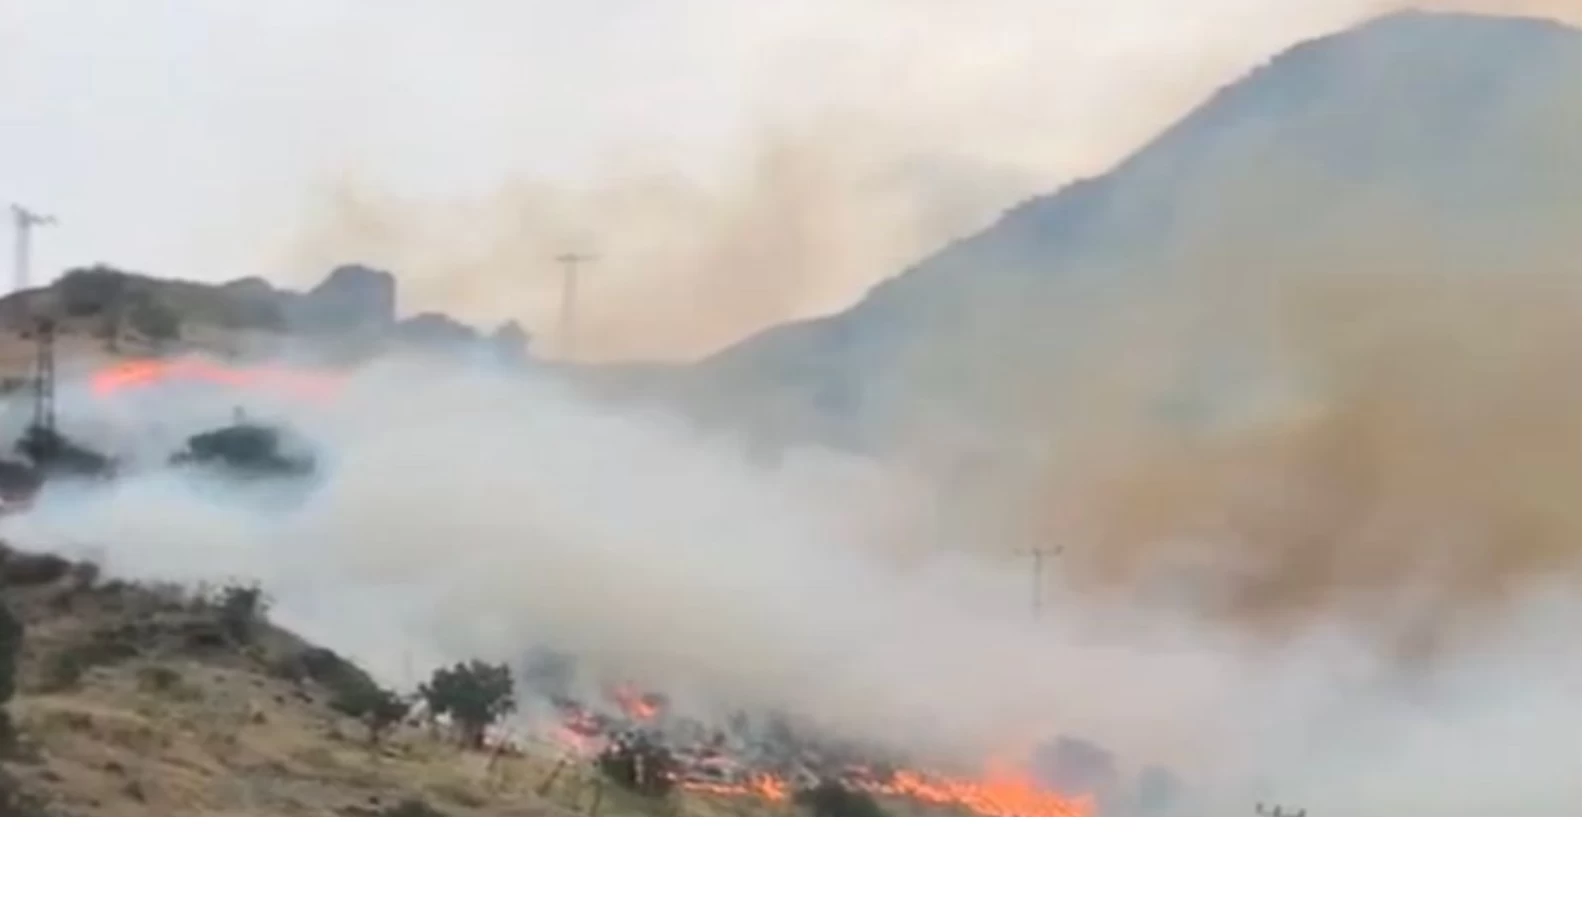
474	695
91	291
10	653
242	609
831	799
639	764
154	320
10	658
379	709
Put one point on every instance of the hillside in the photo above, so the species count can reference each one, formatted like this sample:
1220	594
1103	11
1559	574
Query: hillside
141	701
127	699
348	317
1416	146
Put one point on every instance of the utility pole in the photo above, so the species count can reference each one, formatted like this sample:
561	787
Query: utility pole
44	381
25	220
1039	557
570	262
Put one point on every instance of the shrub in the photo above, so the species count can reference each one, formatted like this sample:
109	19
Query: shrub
243	608
10	658
407	808
474	695
379	709
10	653
640	765
91	291
158	678
831	799
154	320
64	668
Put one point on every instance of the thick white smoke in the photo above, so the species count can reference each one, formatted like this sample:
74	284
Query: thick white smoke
469	514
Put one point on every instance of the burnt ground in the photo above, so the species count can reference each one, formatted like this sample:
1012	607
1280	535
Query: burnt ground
139	700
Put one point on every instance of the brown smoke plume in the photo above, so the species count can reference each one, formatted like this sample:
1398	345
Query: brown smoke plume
914	143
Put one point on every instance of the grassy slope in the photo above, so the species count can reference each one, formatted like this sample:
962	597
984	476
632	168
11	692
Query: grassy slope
128	705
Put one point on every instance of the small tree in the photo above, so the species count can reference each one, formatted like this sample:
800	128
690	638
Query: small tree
242	609
474	695
379	709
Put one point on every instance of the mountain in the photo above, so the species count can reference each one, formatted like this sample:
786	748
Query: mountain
1423	146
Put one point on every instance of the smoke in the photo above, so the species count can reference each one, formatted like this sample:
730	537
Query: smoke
932	118
1352	589
467	514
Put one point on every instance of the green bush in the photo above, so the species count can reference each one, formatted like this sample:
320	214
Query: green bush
474	695
379	709
64	668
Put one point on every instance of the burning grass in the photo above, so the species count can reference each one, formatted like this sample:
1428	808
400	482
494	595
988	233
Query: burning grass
640	740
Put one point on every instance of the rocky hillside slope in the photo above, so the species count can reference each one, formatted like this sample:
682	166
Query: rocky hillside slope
1423	148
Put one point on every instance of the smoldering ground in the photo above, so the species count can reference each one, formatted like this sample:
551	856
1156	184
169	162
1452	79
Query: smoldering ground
468	514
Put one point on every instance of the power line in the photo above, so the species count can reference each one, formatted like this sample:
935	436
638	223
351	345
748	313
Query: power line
570	262
1039	557
25	220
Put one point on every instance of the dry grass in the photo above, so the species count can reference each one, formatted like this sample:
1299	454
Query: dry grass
153	723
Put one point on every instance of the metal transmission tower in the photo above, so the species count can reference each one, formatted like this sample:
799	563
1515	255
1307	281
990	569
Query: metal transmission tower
1039	557
25	220
570	262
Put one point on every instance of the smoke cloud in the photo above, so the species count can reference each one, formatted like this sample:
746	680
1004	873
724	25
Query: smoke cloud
1356	589
933	118
733	166
466	514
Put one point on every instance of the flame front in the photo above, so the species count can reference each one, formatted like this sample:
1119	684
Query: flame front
142	372
1000	792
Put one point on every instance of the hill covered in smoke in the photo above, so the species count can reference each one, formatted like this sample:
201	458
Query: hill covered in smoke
1414	143
1301	324
1305	363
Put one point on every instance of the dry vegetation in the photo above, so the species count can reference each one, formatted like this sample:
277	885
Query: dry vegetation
146	701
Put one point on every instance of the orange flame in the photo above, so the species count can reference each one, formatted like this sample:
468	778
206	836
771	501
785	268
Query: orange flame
763	786
1000	793
636	705
141	372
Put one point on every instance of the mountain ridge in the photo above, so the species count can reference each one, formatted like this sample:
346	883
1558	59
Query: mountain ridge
1394	87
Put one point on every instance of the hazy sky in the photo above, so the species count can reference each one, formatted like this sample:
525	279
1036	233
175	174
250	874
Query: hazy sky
215	138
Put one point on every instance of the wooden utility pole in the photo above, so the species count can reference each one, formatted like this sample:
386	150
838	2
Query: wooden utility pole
570	262
1039	557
